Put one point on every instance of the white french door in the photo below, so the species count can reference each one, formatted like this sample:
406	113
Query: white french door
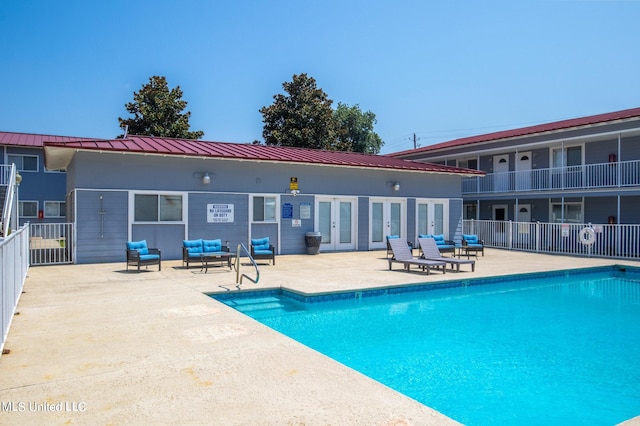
336	221
386	217
433	217
501	173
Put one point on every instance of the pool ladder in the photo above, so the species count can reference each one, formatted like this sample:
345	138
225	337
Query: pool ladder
237	264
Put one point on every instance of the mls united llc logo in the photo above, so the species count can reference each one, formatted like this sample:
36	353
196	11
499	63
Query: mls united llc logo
64	406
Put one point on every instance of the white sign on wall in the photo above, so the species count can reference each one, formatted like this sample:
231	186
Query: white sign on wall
219	213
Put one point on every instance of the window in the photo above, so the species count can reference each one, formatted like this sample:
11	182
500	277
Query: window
572	213
570	156
264	209
157	208
55	209
28	208
471	163
28	163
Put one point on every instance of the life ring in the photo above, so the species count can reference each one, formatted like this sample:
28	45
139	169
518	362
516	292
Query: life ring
587	236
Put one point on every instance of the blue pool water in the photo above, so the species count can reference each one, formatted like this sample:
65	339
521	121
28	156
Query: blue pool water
561	348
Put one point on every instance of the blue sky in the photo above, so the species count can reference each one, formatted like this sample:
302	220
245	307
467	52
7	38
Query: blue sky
439	69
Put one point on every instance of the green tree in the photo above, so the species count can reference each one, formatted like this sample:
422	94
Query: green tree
157	111
302	118
354	130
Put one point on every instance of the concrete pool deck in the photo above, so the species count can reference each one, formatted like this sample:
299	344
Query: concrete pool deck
95	344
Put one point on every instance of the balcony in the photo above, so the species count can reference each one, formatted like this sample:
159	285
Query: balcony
589	176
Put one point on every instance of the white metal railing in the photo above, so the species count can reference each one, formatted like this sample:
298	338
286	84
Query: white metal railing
612	241
588	176
51	243
14	264
7	181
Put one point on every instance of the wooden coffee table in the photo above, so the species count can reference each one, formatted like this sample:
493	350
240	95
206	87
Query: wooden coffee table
207	258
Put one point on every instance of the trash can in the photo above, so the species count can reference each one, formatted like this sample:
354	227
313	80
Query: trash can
313	240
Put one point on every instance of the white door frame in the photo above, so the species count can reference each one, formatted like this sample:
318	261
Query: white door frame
386	220
431	203
332	242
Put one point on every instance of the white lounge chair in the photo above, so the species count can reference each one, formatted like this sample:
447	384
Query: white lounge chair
430	252
402	254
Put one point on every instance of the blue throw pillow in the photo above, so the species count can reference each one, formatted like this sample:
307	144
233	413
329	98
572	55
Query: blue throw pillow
212	246
471	239
260	243
141	246
193	246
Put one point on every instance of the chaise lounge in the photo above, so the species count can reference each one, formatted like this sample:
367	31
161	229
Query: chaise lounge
402	254
393	237
138	254
444	246
430	252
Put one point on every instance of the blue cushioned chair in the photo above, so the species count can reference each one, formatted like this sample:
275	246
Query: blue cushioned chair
192	249
444	246
261	248
138	254
471	243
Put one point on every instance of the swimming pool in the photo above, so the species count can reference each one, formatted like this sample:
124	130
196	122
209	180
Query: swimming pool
561	347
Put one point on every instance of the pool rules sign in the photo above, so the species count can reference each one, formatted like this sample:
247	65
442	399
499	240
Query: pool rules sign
220	213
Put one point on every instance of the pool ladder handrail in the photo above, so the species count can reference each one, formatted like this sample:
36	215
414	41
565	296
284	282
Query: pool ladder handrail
237	266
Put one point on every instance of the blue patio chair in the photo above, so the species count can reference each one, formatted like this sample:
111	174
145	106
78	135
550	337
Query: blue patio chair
138	254
261	248
471	243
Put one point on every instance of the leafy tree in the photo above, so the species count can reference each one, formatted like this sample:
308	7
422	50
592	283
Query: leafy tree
157	111
355	130
303	118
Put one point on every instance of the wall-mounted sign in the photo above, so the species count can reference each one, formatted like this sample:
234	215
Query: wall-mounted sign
219	213
296	223
305	210
293	184
287	211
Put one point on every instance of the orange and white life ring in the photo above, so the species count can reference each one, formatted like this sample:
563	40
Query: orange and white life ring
587	236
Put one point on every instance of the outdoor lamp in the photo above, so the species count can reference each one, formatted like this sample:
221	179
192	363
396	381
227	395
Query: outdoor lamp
396	186
206	179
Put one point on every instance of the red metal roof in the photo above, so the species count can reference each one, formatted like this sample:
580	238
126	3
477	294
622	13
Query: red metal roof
526	131
32	140
235	151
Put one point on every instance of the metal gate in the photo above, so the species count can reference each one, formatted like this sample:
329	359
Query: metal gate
50	243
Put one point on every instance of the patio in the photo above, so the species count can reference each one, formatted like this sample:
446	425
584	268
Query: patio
95	344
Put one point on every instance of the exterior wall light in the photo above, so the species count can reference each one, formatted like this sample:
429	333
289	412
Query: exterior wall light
396	186
206	179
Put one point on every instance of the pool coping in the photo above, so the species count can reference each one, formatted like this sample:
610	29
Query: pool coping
319	297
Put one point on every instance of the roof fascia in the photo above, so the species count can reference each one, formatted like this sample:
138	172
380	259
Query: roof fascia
68	157
590	138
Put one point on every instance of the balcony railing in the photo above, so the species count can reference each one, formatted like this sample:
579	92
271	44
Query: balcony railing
588	176
610	241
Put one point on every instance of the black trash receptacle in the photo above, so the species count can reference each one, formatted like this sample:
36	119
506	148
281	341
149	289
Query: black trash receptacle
313	240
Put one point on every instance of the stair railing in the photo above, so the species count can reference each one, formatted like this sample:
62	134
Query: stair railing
237	264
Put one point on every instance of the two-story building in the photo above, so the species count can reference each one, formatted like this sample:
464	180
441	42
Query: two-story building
42	191
583	170
570	186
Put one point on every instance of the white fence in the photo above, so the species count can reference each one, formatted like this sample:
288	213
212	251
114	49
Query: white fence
613	241
14	264
51	243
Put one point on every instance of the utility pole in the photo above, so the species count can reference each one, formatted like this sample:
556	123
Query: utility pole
415	141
